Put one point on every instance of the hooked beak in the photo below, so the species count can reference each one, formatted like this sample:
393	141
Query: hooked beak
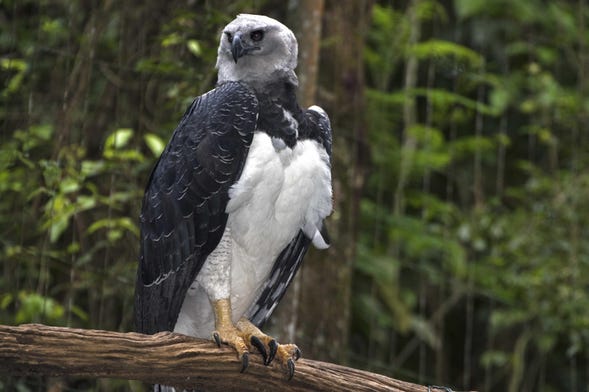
239	48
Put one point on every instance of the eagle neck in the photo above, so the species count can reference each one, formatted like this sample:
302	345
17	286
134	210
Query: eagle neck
279	111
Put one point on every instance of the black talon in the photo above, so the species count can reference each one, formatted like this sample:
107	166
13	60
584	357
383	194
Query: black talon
217	339
297	354
245	360
273	346
257	343
290	368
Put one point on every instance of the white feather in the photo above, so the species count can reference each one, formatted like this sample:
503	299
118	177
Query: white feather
278	193
318	109
277	54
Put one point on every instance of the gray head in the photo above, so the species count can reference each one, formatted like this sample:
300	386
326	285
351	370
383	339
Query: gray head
256	49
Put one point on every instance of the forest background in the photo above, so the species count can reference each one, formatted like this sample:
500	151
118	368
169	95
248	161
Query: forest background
460	253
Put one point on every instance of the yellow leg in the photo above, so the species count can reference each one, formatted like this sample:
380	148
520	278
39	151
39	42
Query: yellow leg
245	337
226	333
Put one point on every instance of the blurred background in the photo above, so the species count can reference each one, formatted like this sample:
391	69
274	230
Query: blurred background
460	253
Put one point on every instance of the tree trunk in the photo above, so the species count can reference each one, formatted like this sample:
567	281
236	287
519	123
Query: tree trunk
170	359
305	21
315	311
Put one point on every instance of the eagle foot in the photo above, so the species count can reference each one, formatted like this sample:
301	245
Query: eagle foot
231	336
269	348
287	355
245	337
267	354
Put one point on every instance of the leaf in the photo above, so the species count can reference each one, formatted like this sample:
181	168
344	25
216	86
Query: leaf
124	155
85	203
437	49
499	99
118	139
425	331
92	168
59	211
18	65
445	98
468	8
68	185
34	308
5	300
467	145
79	312
171	39
155	144
501	319
194	47
114	224
494	358
42	131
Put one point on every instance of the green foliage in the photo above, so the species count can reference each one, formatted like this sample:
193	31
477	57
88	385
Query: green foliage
68	204
387	39
491	204
18	68
32	306
439	50
471	251
90	95
155	143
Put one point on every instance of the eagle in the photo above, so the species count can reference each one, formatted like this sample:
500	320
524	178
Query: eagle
236	198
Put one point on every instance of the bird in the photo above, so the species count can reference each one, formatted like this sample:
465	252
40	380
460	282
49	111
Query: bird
237	197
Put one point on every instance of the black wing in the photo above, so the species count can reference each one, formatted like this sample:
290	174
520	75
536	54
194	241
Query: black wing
183	214
316	126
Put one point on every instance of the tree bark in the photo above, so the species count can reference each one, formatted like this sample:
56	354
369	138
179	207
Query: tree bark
305	19
315	313
315	310
306	23
168	358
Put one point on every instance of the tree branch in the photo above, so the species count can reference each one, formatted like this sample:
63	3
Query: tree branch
168	358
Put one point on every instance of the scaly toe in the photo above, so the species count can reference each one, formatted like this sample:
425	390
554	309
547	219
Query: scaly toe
287	354
286	351
233	338
269	348
257	340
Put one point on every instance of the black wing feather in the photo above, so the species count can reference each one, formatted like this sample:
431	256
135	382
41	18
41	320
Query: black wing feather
283	272
183	214
315	126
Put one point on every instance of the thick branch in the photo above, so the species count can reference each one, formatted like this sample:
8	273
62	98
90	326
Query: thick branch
168	358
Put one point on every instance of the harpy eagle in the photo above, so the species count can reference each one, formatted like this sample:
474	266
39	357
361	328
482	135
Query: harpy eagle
236	198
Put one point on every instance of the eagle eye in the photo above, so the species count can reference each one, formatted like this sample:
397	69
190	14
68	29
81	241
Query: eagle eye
257	35
229	36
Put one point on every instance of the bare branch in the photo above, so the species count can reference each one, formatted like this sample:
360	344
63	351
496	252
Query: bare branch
168	358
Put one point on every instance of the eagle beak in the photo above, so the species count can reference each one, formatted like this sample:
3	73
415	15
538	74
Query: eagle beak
240	48
237	48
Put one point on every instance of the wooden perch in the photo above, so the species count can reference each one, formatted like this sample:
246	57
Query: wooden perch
170	359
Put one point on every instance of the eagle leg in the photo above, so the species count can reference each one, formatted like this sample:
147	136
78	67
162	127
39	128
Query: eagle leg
226	333
286	354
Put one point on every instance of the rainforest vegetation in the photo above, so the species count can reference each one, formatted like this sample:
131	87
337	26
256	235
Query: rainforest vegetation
459	254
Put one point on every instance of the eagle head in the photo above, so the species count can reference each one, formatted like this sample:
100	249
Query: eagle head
256	49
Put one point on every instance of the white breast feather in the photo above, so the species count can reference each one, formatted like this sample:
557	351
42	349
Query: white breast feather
278	194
